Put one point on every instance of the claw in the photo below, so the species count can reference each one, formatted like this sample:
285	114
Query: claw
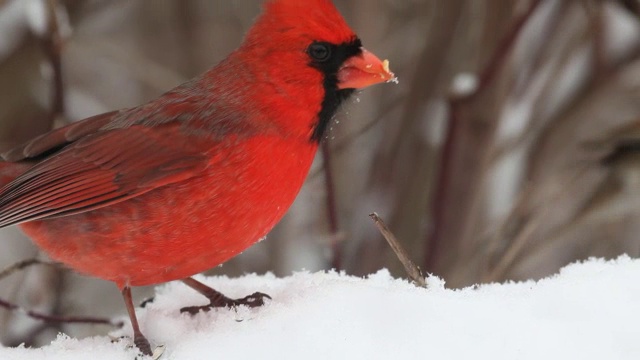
143	345
217	299
254	300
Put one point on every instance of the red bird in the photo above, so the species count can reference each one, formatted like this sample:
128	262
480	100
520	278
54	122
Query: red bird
176	186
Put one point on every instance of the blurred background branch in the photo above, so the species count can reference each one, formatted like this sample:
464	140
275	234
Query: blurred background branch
509	148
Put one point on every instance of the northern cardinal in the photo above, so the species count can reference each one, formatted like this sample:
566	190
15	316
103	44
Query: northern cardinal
178	185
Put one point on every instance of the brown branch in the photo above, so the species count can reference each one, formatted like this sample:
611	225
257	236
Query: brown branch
595	14
457	104
530	222
533	127
51	43
633	6
543	54
502	52
332	210
23	265
53	48
50	319
443	178
58	319
409	266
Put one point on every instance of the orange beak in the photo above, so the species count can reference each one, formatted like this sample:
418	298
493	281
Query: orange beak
363	70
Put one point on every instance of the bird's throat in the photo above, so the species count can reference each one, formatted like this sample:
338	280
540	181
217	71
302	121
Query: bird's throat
333	98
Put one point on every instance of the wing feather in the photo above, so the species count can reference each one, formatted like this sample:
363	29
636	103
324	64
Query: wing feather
99	169
58	138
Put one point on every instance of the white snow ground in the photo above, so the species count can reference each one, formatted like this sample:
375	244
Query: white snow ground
590	310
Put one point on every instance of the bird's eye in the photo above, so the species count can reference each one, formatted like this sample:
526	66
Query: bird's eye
320	52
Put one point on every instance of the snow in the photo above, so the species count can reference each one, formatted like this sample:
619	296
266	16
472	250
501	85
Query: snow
587	311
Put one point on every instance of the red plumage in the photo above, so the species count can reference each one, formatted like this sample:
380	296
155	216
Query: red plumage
183	183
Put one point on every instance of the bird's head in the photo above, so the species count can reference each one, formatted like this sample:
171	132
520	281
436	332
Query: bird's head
308	51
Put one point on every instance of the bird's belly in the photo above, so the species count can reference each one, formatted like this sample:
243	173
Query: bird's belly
184	228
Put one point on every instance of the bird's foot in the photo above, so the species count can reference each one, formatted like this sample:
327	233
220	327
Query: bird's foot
254	300
143	345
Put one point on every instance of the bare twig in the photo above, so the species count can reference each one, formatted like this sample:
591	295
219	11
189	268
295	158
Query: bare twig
58	319
502	52
410	267
543	58
23	265
514	249
516	245
53	48
456	104
544	53
50	319
52	43
633	6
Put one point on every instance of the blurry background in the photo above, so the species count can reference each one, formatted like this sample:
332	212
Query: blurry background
505	152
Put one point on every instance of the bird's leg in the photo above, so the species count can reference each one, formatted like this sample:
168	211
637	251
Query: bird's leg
141	342
217	299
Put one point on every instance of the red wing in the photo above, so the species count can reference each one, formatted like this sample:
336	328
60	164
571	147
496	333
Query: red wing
58	138
101	169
